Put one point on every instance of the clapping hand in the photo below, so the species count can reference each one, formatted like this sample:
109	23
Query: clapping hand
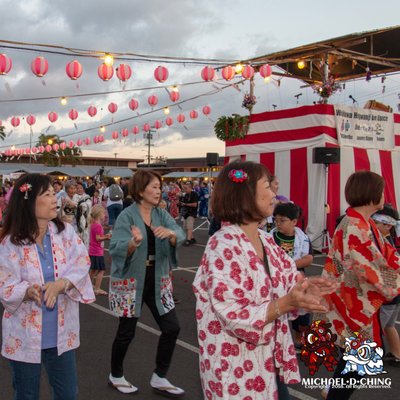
51	292
308	293
161	232
34	293
137	236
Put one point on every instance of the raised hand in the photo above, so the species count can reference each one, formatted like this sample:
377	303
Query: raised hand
162	233
137	236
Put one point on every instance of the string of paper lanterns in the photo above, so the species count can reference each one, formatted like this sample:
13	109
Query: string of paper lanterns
105	71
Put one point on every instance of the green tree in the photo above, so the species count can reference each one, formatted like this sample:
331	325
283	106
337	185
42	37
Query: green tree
57	158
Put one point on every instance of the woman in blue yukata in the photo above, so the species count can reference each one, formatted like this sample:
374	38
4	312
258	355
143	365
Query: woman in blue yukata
143	249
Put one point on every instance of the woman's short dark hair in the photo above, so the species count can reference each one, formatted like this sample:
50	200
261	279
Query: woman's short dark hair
288	210
363	188
20	221
139	182
235	202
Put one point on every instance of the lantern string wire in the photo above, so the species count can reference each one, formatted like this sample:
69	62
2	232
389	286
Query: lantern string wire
98	93
177	104
62	50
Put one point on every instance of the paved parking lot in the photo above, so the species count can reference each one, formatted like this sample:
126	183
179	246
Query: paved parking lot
97	332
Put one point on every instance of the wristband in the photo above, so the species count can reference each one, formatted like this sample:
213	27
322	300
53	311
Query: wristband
277	310
66	284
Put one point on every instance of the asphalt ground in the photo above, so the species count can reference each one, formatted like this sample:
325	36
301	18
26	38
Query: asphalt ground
98	328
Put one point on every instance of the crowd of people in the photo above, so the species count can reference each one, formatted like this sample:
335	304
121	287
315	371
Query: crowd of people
254	297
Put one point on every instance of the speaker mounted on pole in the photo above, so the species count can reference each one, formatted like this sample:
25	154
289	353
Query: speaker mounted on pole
326	155
212	159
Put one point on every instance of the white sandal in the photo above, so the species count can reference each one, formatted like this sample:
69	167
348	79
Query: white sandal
122	385
164	387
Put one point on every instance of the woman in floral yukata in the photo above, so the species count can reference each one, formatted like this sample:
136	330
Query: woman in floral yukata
366	267
43	276
247	288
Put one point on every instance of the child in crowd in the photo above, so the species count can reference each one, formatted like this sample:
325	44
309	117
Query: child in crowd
298	246
96	199
96	250
388	223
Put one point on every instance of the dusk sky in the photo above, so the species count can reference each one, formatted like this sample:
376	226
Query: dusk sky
228	30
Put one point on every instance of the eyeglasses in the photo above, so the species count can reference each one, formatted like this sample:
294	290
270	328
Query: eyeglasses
279	221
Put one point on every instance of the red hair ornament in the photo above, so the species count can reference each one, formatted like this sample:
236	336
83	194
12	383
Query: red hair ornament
237	175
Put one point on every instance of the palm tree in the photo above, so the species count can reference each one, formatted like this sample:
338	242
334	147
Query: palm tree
59	157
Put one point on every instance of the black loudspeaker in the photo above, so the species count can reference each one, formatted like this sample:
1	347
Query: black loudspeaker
326	155
212	159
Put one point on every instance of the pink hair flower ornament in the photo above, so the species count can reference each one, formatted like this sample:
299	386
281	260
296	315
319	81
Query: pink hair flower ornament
25	188
237	175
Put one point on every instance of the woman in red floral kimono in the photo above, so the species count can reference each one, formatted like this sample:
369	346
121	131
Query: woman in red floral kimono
247	288
365	266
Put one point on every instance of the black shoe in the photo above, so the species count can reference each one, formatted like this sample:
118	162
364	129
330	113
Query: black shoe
192	241
187	243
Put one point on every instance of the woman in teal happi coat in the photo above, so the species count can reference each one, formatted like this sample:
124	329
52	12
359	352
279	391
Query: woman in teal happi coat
143	250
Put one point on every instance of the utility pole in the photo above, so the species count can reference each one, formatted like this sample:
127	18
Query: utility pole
149	137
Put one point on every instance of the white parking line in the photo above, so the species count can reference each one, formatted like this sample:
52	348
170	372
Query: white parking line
193	349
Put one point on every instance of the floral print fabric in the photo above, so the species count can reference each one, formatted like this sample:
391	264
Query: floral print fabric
240	355
367	271
22	321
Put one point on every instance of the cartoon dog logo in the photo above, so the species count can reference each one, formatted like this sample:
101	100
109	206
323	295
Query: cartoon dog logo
318	347
362	356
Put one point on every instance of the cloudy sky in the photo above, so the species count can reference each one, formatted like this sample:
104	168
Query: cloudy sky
228	30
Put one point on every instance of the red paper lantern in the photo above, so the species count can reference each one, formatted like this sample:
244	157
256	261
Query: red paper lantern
207	73
39	66
157	124
228	73
73	114
87	141
71	144
124	72
41	149
34	149
174	96
56	146
169	121
152	100
105	72
101	138
193	114
95	140
30	120
74	70
63	145
5	64
161	74
92	111
247	72
133	104
115	135
135	130
125	132
79	142
28	150
112	107
146	127
15	121
180	118
265	70
48	148
52	116
206	110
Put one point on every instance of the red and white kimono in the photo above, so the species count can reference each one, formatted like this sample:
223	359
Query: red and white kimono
367	271
241	355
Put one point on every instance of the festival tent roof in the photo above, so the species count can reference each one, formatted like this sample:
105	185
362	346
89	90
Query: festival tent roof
78	171
347	56
183	174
